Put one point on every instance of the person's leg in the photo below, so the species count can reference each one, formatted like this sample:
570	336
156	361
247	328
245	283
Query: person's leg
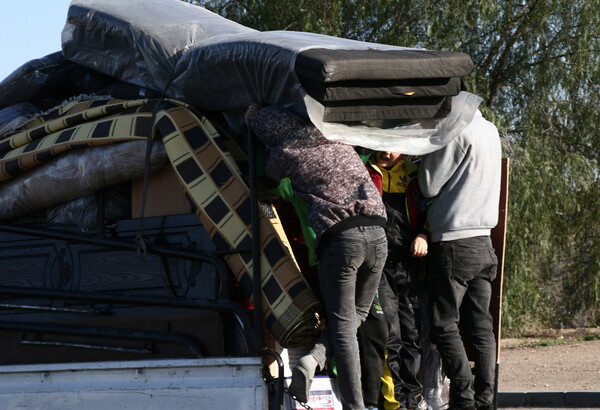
369	272
306	367
338	272
348	294
430	359
389	301
349	272
447	291
387	398
368	282
410	354
477	303
372	337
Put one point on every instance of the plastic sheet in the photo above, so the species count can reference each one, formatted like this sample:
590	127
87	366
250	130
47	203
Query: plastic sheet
76	174
140	48
259	66
218	65
436	386
36	79
83	212
419	138
49	80
15	116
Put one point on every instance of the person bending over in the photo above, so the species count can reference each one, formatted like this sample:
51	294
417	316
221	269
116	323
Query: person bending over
348	217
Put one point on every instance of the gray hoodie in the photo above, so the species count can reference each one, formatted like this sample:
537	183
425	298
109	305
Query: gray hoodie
463	180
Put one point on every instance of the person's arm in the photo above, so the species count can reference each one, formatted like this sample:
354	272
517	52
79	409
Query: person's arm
438	167
252	108
264	127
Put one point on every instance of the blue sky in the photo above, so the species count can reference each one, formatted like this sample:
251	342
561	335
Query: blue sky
29	29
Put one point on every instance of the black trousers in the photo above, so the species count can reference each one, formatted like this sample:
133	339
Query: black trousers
460	278
372	339
400	299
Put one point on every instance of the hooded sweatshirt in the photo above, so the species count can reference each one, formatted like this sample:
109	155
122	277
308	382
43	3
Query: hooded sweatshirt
463	180
328	175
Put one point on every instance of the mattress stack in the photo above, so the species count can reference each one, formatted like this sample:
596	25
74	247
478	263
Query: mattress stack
362	85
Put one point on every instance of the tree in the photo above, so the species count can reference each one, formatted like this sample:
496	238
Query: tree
537	66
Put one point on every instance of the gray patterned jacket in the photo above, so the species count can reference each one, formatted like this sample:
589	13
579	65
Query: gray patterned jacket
329	175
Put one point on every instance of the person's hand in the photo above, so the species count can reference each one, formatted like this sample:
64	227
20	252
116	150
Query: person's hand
252	108
419	246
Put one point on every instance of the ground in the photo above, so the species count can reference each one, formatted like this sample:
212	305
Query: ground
560	361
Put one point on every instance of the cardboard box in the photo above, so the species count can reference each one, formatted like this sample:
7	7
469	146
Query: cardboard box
164	195
324	395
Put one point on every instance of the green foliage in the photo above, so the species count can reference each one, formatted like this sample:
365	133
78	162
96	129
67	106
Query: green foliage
544	342
589	336
537	66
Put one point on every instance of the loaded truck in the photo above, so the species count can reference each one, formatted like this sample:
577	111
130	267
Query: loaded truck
142	265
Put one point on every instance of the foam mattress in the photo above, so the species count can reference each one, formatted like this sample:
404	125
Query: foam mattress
407	109
328	65
381	89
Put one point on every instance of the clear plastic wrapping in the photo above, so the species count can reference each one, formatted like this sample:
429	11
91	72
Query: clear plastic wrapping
140	47
76	174
36	79
83	212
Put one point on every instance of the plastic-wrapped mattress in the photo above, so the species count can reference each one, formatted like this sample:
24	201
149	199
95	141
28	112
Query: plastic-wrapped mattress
358	85
138	41
215	64
394	109
48	81
381	90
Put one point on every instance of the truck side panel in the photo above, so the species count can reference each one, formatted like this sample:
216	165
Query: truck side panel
211	383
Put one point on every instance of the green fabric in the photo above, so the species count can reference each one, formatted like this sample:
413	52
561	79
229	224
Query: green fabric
365	157
284	191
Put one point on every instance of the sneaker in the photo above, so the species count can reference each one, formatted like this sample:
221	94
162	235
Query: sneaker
421	404
300	386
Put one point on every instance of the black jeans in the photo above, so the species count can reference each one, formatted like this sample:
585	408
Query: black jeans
400	298
349	274
372	339
460	275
